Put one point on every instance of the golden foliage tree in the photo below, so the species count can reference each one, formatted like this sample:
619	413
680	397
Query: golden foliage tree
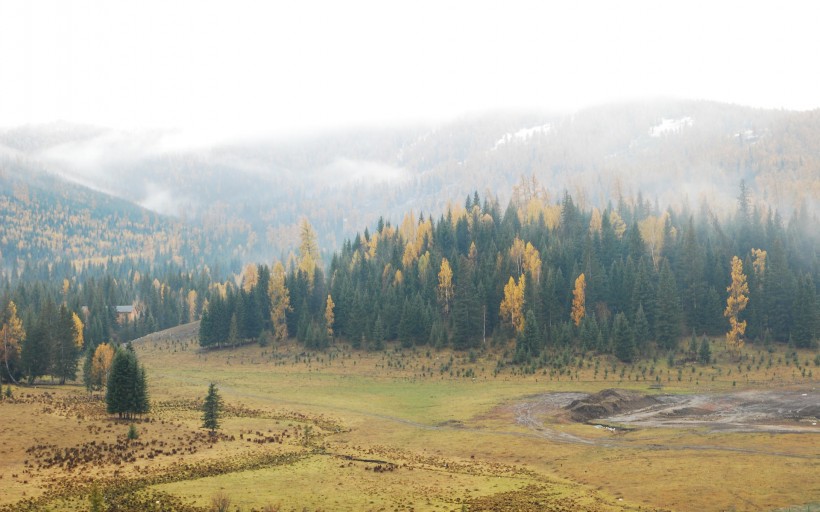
12	335
526	258
759	262
735	304
279	302
579	300
445	285
595	222
617	223
101	365
191	303
78	328
653	232
512	306
250	276
329	316
308	251
517	255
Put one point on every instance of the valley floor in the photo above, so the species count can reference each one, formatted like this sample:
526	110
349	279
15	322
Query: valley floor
420	429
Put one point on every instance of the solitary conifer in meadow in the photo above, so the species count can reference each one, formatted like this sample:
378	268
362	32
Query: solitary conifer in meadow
212	409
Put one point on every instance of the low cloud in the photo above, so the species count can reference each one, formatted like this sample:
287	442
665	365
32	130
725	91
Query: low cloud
344	171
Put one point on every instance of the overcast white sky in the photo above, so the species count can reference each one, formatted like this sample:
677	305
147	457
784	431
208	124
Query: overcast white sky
250	66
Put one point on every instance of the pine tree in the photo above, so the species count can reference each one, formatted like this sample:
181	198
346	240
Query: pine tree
65	350
804	313
527	345
127	390
705	351
667	320
641	330
212	409
623	341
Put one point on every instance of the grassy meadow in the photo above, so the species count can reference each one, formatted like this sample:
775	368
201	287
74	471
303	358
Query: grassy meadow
405	429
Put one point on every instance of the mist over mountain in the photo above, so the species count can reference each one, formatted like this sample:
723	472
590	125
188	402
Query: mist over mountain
672	153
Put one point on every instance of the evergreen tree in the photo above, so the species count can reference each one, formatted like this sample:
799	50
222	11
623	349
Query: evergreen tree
527	345
705	351
127	392
641	330
623	341
778	288
65	350
804	313
667	320
212	409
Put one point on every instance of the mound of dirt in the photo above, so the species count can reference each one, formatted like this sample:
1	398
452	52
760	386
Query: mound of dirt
606	403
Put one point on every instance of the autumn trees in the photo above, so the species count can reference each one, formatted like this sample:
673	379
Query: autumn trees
551	277
547	276
12	336
735	304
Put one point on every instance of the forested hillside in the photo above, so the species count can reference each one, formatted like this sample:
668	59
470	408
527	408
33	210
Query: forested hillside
630	280
46	219
618	239
254	194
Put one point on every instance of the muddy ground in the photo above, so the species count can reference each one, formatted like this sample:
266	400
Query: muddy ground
775	411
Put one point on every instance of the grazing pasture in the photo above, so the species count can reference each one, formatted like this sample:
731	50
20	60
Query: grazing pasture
420	429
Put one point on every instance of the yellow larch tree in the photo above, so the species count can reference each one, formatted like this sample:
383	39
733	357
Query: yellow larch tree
101	365
512	306
329	316
424	265
12	335
759	262
579	300
191	303
617	223
279	302
735	304
250	276
78	328
595	222
517	255
653	232
445	286
532	262
308	251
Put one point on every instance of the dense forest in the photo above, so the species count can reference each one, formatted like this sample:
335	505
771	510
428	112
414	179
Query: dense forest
539	278
630	280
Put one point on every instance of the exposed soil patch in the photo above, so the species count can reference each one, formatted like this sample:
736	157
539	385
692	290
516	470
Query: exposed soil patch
777	411
607	403
746	411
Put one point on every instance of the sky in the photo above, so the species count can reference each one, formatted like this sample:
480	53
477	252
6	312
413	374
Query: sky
239	68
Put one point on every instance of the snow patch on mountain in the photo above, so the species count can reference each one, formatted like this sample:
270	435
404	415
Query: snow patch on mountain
669	126
523	135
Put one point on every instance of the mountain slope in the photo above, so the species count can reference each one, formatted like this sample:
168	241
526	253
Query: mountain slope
254	193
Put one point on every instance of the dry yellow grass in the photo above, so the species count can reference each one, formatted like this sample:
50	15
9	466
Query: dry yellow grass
444	440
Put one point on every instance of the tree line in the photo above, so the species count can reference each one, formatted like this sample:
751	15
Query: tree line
56	314
629	280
